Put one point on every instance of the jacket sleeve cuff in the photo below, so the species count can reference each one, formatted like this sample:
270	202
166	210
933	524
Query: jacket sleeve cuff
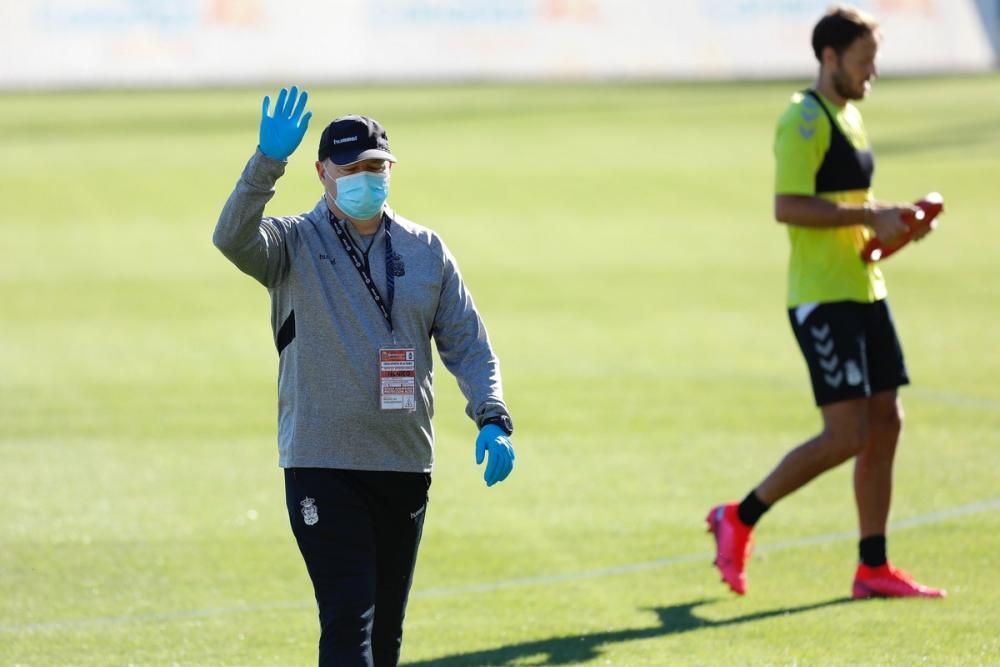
262	172
503	421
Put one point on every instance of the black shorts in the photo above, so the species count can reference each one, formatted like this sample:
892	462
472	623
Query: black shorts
851	349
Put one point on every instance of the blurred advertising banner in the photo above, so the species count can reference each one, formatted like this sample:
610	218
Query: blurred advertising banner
99	43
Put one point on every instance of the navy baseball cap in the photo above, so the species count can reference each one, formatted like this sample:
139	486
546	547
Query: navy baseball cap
353	138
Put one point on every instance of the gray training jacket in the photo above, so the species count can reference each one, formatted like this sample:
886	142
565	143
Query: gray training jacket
330	330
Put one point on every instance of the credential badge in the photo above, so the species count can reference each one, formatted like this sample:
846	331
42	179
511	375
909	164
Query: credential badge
310	513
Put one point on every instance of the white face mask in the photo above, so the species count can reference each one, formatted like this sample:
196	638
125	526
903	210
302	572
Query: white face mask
362	195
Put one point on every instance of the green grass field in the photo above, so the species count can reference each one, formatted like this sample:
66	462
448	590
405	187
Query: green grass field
619	242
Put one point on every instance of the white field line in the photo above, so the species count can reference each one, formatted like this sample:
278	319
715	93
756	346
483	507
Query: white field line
951	398
988	505
921	520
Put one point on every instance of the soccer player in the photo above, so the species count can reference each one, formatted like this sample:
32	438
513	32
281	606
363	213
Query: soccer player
358	292
837	307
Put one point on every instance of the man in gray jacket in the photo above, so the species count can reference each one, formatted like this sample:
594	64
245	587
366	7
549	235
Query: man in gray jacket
357	294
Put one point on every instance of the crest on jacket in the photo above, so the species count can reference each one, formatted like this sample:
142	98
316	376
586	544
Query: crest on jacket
396	265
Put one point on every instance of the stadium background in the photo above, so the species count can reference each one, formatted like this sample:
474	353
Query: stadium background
84	43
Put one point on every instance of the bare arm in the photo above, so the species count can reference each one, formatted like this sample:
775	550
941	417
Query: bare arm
807	211
816	212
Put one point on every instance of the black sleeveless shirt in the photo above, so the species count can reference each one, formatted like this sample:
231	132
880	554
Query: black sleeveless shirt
844	167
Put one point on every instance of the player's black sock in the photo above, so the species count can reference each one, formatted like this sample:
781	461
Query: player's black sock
872	550
751	509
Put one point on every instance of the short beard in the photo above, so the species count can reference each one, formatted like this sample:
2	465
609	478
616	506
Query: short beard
840	85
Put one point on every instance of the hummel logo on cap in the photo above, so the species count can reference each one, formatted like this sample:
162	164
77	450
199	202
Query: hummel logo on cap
353	138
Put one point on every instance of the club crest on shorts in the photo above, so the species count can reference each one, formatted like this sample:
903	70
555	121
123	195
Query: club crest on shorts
854	376
310	513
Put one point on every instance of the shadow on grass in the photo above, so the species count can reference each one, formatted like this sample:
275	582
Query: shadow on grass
575	649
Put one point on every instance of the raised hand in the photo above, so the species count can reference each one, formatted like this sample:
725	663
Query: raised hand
282	133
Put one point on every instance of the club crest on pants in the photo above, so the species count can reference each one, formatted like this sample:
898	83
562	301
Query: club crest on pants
310	513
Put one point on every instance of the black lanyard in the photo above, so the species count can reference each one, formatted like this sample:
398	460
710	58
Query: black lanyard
385	305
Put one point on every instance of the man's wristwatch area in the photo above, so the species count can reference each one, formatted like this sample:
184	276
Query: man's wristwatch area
503	421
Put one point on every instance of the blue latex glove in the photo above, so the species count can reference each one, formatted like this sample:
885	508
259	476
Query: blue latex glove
282	133
494	439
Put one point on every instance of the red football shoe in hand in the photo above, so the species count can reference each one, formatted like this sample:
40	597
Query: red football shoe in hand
919	225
